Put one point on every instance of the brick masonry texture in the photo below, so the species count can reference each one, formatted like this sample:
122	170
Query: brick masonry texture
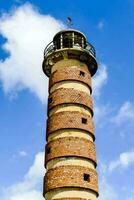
69	95
70	119
71	176
72	74
70	63
70	146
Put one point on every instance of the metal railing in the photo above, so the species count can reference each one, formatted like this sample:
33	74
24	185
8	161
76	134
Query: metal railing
51	47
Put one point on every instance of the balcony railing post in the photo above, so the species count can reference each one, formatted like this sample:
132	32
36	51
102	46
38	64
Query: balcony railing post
61	41
51	47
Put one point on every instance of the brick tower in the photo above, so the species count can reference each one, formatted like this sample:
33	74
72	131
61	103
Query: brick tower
70	156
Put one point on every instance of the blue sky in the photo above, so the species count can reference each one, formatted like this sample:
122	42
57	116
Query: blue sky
26	27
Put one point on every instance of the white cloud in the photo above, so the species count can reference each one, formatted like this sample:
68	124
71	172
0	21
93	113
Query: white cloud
107	192
125	159
22	153
100	25
31	187
101	114
100	80
125	113
130	194
110	191
130	198
27	33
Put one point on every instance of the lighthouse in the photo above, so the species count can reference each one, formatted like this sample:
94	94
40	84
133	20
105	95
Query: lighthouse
70	152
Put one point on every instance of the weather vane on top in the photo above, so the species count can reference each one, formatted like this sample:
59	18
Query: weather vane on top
69	22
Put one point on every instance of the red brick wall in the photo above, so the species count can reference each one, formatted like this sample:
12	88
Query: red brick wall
69	120
70	96
73	74
70	146
70	176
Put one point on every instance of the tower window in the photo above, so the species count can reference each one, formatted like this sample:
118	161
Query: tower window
86	177
84	120
50	100
82	73
48	150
